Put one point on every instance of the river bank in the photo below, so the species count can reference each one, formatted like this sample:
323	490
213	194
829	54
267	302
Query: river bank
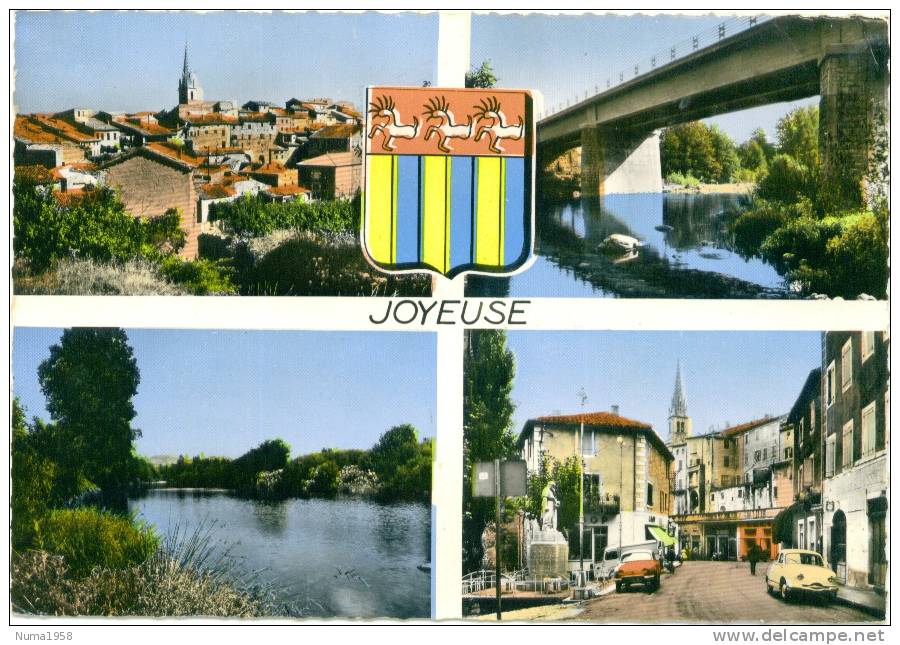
735	188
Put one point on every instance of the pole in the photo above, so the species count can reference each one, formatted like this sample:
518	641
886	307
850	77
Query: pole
581	506
497	534
621	495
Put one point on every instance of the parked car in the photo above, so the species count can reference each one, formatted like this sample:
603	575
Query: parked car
638	568
798	572
612	556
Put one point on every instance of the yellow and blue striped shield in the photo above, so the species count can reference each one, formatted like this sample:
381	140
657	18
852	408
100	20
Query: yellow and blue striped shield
449	179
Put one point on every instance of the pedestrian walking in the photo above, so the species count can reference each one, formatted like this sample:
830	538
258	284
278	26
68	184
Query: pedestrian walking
754	555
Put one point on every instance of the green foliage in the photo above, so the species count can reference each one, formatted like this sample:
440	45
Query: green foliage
565	476
89	381
798	135
751	228
89	538
253	216
687	181
482	76
324	479
840	256
32	480
756	152
411	479
698	150
396	446
200	277
489	369
94	226
272	454
787	180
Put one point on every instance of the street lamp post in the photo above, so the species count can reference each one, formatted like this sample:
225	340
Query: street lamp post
581	506
620	441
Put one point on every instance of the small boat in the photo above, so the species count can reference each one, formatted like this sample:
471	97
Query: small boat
425	567
621	243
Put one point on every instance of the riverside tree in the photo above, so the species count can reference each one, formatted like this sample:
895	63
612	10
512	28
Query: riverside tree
89	382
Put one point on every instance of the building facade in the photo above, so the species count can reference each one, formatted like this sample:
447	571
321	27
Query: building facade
627	475
855	489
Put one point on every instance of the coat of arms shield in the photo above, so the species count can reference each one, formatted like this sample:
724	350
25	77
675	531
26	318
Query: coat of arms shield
449	179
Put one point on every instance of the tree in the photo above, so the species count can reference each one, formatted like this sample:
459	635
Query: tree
798	135
489	368
32	477
395	447
89	381
481	76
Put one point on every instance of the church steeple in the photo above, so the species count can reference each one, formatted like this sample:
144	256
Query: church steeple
678	408
189	89
679	421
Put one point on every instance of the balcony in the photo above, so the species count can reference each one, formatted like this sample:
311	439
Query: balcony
603	504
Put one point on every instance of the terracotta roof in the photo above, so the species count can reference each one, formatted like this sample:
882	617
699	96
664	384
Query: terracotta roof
175	153
615	422
339	131
217	191
595	419
64	128
269	168
287	190
743	427
135	121
66	198
217	118
333	159
37	130
35	173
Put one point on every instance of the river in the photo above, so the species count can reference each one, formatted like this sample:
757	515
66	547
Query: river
303	548
685	252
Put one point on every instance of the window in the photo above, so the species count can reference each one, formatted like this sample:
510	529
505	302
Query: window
649	494
847	444
847	365
587	443
829	385
800	428
756	456
829	456
727	461
868	429
867	343
812	416
788	453
765	453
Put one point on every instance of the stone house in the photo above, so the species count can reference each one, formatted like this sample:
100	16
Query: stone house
154	178
627	470
273	174
254	136
334	138
856	402
332	175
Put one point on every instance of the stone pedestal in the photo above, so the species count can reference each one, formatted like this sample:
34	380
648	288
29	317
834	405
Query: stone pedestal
548	555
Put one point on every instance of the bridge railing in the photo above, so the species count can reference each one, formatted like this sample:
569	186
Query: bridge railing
726	28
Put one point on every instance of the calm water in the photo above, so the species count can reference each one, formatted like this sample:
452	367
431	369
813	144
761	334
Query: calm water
299	546
685	254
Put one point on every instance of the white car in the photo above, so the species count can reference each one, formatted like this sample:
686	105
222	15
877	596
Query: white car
800	572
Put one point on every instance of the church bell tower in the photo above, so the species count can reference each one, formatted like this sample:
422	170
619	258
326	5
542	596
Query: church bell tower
679	421
189	89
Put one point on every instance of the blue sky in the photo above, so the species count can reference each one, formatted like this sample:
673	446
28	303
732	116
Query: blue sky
132	61
729	376
223	392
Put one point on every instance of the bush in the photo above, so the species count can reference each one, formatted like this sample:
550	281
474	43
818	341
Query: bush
32	481
93	226
253	216
199	277
840	256
688	181
88	538
324	480
751	228
787	180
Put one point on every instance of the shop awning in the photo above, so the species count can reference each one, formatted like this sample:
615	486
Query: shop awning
660	534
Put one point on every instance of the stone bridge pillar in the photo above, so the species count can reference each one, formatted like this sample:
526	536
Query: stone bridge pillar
853	89
615	161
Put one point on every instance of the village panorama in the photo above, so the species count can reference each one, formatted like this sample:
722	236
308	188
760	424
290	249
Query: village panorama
258	199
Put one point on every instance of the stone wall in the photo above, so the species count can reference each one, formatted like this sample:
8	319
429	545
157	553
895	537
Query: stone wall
149	188
852	91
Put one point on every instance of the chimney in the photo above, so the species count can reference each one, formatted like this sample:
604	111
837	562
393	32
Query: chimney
615	410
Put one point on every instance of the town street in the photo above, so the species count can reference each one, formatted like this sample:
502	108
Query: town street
715	592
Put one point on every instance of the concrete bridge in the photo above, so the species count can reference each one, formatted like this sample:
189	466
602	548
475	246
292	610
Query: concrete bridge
842	60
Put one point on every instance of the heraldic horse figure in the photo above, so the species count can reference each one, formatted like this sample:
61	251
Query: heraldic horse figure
498	130
438	108
386	120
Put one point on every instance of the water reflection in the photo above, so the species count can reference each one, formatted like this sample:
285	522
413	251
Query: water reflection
685	251
351	558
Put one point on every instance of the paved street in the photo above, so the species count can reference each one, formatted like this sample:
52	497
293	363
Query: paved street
715	592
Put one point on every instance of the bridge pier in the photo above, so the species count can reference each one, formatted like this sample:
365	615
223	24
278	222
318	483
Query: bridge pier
853	90
617	161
